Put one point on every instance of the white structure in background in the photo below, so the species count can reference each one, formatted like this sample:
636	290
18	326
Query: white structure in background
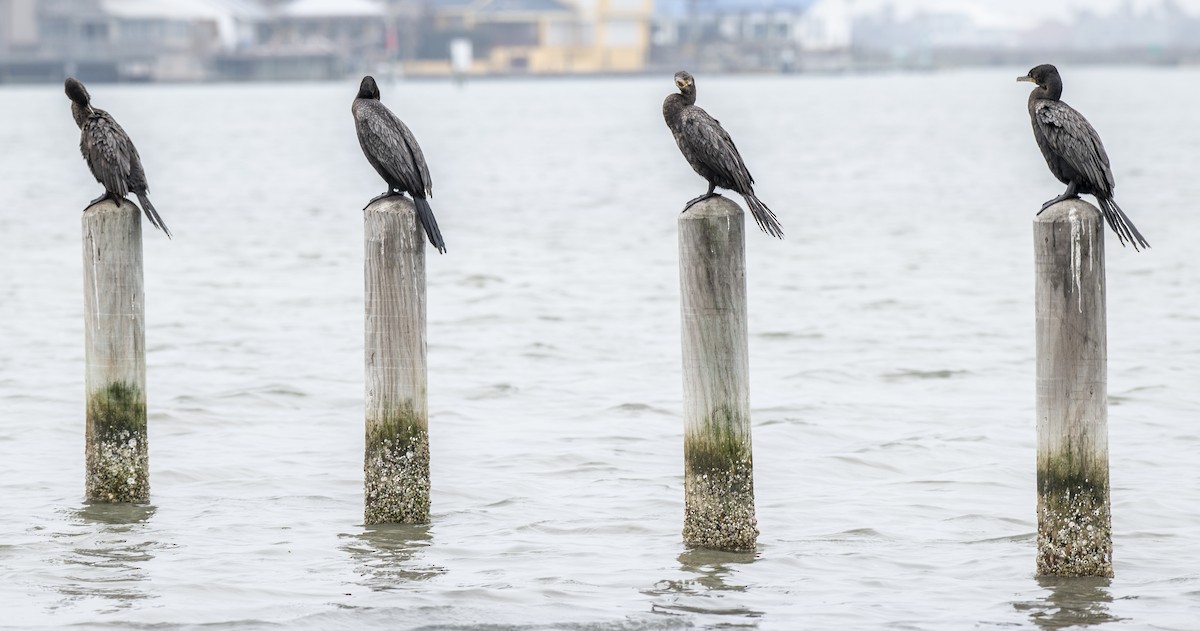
827	26
172	41
461	56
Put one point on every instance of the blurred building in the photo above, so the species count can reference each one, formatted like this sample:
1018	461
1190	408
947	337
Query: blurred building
119	40
537	36
187	40
196	40
754	35
309	39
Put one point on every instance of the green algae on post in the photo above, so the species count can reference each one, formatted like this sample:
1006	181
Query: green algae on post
1074	523
1074	514
397	468
718	461
117	455
718	491
396	462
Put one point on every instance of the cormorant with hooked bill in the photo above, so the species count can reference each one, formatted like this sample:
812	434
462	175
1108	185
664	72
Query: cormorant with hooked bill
710	151
109	153
1073	151
393	150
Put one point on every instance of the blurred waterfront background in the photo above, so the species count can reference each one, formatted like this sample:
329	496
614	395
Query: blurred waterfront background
891	332
206	40
891	339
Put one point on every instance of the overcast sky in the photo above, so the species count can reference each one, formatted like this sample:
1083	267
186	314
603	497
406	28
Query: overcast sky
1017	11
1001	12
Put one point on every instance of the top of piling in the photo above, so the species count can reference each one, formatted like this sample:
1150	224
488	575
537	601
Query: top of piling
715	206
393	204
107	205
1063	211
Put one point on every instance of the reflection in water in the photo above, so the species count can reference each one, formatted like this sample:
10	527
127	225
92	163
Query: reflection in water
1072	602
389	555
108	554
708	589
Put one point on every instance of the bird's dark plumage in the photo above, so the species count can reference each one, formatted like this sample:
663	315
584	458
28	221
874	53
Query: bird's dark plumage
711	152
1073	151
393	150
109	153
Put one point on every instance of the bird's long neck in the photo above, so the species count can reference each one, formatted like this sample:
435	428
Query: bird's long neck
79	113
688	94
1052	90
673	106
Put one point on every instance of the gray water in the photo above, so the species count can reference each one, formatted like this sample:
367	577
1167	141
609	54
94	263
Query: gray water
891	338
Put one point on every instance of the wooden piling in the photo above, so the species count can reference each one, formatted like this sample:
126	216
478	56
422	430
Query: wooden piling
397	438
719	469
118	467
1074	519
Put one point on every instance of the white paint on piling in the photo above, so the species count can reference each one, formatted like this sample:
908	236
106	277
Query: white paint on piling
1076	255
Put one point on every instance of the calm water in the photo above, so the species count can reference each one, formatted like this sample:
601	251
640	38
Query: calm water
891	354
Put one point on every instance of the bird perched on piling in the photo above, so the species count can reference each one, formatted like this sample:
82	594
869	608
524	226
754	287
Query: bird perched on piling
1073	152
710	151
393	150
109	153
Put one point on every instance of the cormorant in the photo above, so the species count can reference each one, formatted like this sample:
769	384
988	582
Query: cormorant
393	150
1073	151
109	153
710	151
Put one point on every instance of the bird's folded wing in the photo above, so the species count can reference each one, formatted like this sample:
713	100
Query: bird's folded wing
1074	139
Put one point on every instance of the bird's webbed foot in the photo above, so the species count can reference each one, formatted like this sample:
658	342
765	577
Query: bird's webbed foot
385	195
703	197
1070	193
103	197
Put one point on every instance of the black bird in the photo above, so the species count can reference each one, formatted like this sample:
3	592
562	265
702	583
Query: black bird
1073	151
109	153
710	151
393	150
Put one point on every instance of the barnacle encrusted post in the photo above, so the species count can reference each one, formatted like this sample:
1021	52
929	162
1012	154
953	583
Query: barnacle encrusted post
718	467
114	334
1074	520
396	465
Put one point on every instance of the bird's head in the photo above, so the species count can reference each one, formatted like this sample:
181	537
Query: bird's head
1042	75
368	89
684	81
77	93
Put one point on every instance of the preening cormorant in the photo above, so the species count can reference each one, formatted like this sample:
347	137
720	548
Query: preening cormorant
109	153
1073	151
393	150
710	151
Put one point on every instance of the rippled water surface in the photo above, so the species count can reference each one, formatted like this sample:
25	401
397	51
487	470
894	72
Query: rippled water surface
891	339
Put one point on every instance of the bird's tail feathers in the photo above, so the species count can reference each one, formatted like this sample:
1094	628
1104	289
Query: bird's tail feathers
763	216
151	213
425	214
1120	224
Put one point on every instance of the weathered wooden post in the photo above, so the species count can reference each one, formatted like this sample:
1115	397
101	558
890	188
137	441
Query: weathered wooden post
718	467
118	466
1074	522
397	449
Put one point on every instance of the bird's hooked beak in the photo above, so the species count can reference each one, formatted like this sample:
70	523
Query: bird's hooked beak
681	83
1026	78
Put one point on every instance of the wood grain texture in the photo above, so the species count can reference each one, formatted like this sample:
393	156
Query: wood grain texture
397	447
115	354
1074	520
718	475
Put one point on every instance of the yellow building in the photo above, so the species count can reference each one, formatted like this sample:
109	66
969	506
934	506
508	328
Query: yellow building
544	36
